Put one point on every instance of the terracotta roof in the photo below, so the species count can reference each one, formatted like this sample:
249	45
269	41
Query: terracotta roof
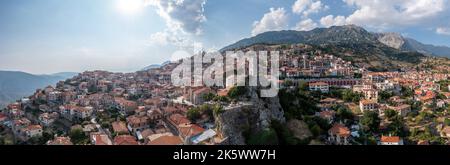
153	101
328	100
135	120
223	92
101	139
190	130
147	132
3	116
125	140
447	94
119	127
327	114
167	140
60	141
125	102
423	142
446	130
170	109
340	129
33	127
178	119
317	83
390	139
365	101
156	111
202	90
403	106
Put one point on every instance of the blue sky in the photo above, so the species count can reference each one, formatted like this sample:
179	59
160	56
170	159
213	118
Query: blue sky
48	36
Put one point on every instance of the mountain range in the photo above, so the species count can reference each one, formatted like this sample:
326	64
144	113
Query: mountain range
376	51
153	66
15	85
397	41
347	34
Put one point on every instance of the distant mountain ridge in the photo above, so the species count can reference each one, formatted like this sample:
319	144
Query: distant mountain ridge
342	35
153	66
397	41
15	85
63	74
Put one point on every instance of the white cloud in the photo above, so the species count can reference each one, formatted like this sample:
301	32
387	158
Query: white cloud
180	41
443	30
181	15
306	25
184	19
393	13
160	38
307	7
330	20
274	20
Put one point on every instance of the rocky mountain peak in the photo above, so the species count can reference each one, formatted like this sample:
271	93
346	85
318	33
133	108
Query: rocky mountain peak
393	40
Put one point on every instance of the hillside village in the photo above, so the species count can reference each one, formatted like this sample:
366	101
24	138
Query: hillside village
323	98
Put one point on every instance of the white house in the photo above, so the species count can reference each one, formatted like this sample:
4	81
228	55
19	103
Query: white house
368	105
391	140
319	86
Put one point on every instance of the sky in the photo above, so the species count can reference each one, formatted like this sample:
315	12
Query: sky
50	36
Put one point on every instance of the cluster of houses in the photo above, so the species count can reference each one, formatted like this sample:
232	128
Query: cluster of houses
424	85
323	72
149	110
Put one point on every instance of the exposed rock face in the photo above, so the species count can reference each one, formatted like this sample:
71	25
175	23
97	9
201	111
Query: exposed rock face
255	114
299	129
393	40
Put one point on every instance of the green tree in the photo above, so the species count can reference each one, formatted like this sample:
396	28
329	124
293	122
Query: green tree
370	122
344	114
265	137
407	92
396	127
193	114
357	75
350	96
217	109
221	98
46	136
384	95
390	114
447	122
237	91
77	136
303	86
285	136
106	124
316	130
209	96
297	104
444	85
288	83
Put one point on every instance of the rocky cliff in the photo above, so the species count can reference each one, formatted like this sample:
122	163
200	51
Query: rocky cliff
253	114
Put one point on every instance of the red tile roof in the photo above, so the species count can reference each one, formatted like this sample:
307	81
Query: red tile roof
318	84
190	130
119	127
101	139
178	119
390	139
125	140
60	141
340	129
33	127
167	140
